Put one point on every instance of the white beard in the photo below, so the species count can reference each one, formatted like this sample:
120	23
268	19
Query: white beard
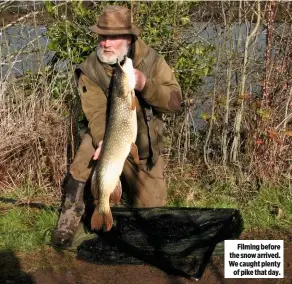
112	59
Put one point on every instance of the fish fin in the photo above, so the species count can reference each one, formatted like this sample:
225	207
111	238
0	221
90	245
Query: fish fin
93	184
96	220
133	106
138	107
134	153
108	220
117	193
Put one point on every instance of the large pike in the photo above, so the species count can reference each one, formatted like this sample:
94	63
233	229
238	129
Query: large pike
118	142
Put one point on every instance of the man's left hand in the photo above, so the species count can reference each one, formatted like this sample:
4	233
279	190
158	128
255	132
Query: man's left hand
97	151
140	80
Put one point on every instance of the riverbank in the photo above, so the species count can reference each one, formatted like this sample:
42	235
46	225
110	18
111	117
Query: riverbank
46	266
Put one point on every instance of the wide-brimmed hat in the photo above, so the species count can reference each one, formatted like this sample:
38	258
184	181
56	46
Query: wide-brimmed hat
115	20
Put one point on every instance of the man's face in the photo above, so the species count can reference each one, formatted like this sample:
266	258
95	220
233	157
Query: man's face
113	47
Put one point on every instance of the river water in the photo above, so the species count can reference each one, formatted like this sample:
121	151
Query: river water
24	48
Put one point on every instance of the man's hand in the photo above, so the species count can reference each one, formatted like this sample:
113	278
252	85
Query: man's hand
97	151
140	80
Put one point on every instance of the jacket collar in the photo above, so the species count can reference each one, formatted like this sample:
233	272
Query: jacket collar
140	50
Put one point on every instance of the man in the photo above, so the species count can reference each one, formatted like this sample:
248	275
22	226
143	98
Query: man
157	92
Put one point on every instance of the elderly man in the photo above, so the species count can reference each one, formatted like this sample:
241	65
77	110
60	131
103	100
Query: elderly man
157	92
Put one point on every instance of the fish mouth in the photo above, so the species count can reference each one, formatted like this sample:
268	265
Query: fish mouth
128	69
122	62
125	66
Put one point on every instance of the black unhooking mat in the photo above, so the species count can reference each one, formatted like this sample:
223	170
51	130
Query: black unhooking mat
179	241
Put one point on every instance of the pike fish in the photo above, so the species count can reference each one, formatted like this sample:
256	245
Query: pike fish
118	142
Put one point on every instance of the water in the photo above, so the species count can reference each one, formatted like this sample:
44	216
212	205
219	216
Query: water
34	55
26	46
22	49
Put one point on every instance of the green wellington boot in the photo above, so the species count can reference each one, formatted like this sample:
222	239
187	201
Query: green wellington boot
82	234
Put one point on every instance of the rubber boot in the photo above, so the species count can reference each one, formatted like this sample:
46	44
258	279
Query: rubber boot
82	234
72	211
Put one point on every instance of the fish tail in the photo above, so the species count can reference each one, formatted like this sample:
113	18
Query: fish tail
101	220
96	220
117	193
108	221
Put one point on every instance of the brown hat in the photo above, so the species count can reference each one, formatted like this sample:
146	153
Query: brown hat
115	20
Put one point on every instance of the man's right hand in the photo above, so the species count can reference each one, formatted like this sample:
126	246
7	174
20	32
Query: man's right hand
97	151
140	80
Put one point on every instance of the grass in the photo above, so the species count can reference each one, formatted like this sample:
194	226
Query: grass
28	213
28	192
270	207
25	229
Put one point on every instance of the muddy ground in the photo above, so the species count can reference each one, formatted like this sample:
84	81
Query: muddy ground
83	273
49	266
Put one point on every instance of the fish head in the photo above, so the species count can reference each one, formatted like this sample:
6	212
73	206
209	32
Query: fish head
128	74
